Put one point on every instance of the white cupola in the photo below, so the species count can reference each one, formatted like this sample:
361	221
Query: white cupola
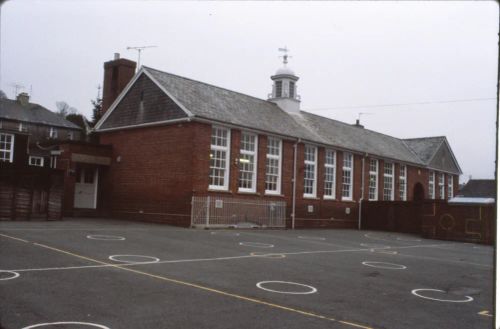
285	87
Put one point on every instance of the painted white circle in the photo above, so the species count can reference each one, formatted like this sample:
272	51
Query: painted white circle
257	244
225	233
116	258
466	300
14	275
267	255
311	237
105	237
57	323
311	290
409	240
374	245
387	266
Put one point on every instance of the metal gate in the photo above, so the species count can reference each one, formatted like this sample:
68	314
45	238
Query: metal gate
214	211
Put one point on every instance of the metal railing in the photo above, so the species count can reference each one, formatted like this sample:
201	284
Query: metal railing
214	211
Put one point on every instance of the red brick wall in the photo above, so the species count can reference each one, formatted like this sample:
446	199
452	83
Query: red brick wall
153	180
162	167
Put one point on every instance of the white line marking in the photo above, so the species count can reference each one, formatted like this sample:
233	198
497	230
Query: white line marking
383	251
223	233
58	323
267	255
311	238
105	237
116	259
466	300
15	275
374	245
311	290
447	260
388	266
257	244
214	259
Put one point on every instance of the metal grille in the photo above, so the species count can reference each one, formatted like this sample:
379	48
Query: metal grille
213	211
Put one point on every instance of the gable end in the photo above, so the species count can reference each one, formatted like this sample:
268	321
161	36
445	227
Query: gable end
143	103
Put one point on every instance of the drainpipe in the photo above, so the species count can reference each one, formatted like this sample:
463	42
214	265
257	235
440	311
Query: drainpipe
362	189
294	181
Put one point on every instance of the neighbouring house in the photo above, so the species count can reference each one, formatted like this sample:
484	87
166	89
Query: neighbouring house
37	145
479	191
187	153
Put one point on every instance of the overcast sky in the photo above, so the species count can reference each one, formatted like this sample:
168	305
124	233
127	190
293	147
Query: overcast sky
350	57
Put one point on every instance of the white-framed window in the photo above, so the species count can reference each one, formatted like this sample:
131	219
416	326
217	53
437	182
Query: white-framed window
273	165
219	158
402	182
291	89
52	132
6	147
310	170
389	181
347	170
441	186
432	190
53	161
248	162
279	88
450	186
373	180
330	174
36	161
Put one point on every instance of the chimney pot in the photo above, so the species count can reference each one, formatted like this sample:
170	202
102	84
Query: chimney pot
117	56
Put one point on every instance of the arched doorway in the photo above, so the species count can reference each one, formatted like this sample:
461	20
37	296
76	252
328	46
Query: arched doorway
418	192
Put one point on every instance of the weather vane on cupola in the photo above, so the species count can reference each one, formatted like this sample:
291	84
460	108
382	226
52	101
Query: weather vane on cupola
285	50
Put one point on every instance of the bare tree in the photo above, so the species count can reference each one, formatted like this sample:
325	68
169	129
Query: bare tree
63	109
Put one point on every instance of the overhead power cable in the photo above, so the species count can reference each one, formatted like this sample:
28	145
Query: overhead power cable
402	104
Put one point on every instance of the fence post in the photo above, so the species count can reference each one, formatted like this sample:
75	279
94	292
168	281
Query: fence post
207	220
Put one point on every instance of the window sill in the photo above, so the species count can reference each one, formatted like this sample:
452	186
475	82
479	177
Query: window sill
274	194
219	191
310	197
248	192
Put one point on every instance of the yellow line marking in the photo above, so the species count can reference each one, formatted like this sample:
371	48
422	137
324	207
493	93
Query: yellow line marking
485	313
216	291
11	237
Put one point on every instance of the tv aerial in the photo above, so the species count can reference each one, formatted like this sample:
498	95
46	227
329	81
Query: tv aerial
139	50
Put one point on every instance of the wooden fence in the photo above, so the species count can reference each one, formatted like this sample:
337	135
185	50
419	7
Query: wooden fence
30	193
435	219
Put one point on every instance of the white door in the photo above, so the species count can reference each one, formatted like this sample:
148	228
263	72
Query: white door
86	188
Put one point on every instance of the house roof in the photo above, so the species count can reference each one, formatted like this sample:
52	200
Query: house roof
33	113
204	101
479	188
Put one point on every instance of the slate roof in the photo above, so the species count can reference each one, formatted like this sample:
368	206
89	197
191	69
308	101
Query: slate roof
202	100
33	113
426	147
479	188
215	103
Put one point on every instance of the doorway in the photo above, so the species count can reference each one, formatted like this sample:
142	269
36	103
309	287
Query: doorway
86	187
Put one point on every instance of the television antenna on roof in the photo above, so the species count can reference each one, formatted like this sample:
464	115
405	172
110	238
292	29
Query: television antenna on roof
17	87
139	49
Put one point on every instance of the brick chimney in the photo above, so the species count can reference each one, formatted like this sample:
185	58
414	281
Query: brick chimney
23	99
117	73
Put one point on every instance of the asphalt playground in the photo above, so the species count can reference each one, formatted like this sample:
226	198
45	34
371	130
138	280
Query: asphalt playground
101	273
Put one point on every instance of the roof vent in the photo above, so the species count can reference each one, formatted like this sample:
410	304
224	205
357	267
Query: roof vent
23	99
